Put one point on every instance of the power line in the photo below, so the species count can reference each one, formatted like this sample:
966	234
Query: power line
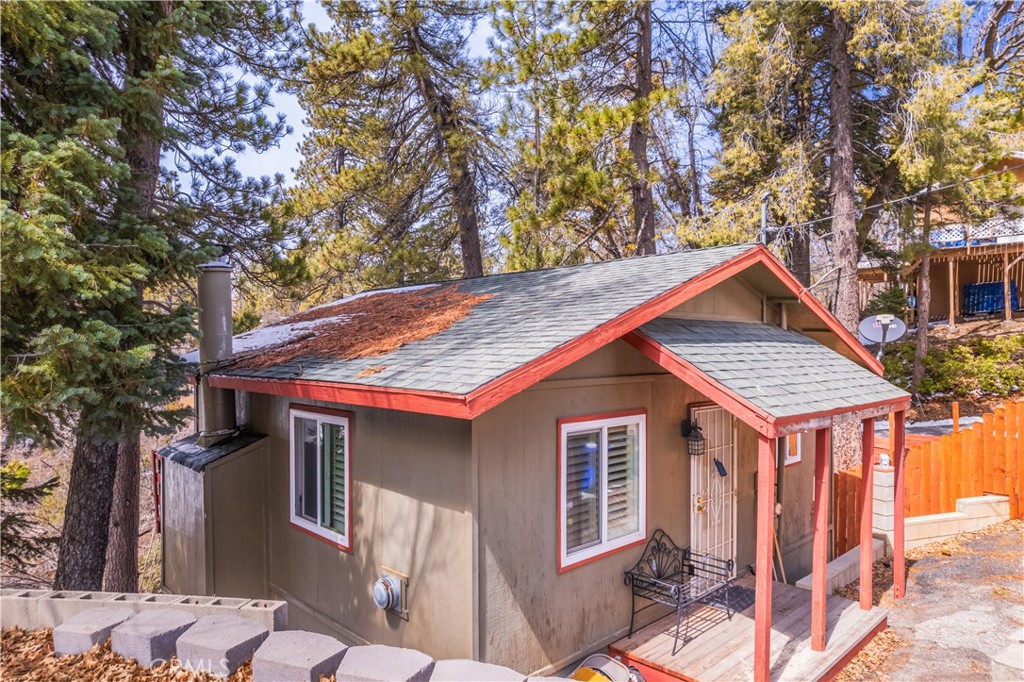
908	197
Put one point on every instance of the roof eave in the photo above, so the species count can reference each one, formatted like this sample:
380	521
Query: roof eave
744	410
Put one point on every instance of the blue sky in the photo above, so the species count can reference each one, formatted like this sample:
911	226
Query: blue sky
285	158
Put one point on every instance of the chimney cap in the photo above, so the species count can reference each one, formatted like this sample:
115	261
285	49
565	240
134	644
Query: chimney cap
216	266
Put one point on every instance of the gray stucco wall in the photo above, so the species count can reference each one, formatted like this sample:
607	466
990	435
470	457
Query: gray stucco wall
531	617
410	513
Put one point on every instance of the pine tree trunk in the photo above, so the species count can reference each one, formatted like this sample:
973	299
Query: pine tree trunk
643	200
845	248
924	297
441	106
800	255
142	140
122	572
83	540
844	219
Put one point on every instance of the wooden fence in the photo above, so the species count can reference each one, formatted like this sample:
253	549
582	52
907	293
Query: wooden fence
985	458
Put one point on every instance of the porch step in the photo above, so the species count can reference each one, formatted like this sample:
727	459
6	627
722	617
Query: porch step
845	569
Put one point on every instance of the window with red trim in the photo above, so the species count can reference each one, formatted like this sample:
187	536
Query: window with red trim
320	501
603	485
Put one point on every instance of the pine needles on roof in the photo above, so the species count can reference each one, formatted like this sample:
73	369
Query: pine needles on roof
371	326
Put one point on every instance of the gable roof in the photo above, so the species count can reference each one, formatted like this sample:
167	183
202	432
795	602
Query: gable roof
535	323
773	376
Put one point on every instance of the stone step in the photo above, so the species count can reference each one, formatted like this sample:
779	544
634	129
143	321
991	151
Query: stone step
150	636
296	656
220	644
466	670
82	632
377	663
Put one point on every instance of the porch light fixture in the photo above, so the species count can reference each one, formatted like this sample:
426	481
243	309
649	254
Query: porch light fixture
695	442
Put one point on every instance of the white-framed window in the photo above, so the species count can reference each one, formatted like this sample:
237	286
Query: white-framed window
791	448
602	485
320	474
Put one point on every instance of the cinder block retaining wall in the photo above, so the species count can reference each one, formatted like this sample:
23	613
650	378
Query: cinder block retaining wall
35	609
972	513
217	635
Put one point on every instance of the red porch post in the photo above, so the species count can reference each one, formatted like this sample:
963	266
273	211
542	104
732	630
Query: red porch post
763	564
867	489
899	564
819	549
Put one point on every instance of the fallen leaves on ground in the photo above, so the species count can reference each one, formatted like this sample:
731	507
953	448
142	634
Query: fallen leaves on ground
876	659
28	657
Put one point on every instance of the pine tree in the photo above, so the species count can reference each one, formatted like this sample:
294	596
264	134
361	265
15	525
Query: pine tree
393	178
592	111
120	86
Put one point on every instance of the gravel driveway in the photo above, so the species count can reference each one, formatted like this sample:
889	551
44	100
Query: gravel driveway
962	618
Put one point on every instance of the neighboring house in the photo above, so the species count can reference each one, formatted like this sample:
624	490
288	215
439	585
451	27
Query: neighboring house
975	268
506	469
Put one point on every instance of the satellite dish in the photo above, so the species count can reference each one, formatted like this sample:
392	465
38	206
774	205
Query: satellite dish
880	329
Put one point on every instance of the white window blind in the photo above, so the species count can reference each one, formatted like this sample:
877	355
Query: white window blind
603	487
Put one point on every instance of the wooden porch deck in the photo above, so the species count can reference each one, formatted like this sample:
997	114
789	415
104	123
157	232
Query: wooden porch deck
722	649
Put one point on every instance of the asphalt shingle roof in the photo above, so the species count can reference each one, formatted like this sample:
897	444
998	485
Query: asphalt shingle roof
530	314
782	372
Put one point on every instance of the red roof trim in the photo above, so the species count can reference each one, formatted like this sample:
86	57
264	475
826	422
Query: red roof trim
427	402
807	298
521	378
743	409
734	403
497	391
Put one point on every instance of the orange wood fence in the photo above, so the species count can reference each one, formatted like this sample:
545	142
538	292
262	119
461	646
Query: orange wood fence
985	458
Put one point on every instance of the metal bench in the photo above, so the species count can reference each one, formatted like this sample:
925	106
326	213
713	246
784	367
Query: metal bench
674	576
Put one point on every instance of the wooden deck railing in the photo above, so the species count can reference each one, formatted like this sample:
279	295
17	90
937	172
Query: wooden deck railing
985	458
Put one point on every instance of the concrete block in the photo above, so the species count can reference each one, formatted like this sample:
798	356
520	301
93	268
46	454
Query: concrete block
296	656
20	608
56	607
987	505
273	614
844	569
376	663
220	644
210	606
882	508
885	478
151	635
85	630
883	524
465	670
145	602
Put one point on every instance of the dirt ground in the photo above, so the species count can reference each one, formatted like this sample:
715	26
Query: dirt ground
962	617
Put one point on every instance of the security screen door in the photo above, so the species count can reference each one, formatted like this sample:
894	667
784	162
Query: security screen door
713	484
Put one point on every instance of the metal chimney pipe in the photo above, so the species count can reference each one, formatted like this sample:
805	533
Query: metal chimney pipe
216	407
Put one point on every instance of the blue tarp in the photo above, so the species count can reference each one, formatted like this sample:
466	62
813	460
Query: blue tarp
987	297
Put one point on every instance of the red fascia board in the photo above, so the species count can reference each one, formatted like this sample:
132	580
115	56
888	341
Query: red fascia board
521	378
804	296
734	403
495	392
425	402
740	407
